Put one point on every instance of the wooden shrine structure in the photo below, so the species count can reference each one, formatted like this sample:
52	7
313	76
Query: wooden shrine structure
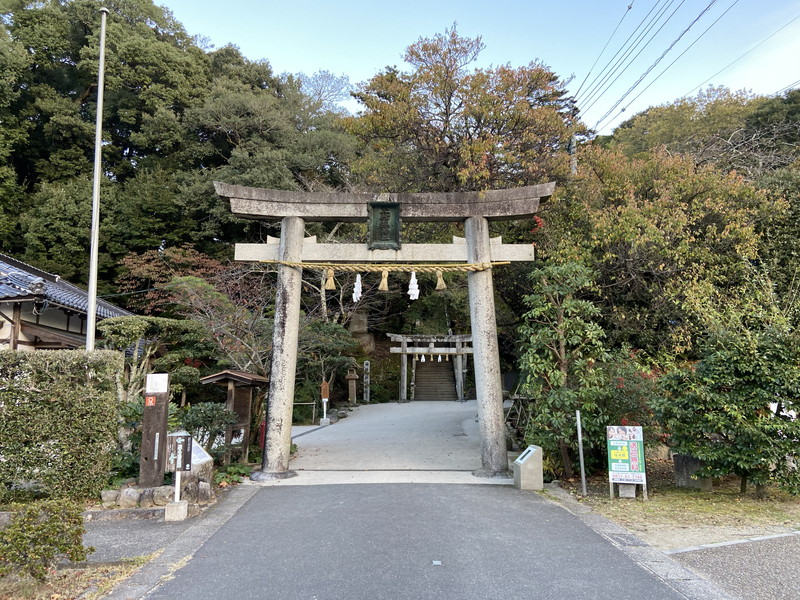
383	212
239	400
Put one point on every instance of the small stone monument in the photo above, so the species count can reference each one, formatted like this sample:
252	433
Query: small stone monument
358	329
685	468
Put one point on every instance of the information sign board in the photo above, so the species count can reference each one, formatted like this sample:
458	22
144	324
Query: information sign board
180	451
626	455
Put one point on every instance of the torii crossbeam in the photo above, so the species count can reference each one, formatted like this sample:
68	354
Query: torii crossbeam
474	209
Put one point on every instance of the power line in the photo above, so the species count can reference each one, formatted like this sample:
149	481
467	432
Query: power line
787	88
680	56
152	289
595	87
658	60
602	76
631	61
630	6
729	65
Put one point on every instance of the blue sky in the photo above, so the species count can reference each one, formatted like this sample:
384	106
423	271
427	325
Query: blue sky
359	38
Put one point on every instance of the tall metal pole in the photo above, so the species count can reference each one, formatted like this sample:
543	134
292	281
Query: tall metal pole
580	451
91	309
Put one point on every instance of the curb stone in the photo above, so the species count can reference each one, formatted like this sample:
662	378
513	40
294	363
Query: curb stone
123	514
675	575
178	553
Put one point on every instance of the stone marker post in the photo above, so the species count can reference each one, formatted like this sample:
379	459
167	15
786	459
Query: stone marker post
367	368
403	373
154	430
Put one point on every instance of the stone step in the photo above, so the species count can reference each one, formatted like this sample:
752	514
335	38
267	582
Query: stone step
435	381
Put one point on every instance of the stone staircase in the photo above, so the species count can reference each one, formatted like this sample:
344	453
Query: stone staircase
435	381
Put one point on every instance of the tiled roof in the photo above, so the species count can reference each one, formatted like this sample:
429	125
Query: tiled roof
20	281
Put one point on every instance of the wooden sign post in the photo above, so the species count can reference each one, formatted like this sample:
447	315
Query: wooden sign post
154	430
325	392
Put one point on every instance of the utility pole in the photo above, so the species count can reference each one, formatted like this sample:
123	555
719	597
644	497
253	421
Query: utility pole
91	309
572	148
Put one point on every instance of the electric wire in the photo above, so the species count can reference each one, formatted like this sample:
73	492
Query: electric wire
597	87
657	77
603	76
787	88
651	67
613	33
729	65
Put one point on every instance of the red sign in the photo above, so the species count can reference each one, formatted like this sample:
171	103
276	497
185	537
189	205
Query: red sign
149	400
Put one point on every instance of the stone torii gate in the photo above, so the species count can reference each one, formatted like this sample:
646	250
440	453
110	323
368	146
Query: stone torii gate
474	209
427	344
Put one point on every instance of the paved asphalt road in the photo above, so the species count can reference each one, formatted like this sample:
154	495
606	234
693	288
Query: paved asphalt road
353	542
404	520
752	570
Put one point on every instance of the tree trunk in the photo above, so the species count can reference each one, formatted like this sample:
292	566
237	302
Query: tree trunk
761	491
323	297
743	485
565	459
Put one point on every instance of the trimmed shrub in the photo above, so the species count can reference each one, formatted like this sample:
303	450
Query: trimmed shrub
58	421
39	534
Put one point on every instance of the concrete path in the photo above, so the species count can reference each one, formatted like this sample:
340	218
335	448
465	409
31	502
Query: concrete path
415	436
416	442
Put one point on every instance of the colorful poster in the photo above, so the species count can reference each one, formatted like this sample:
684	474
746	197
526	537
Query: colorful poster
626	455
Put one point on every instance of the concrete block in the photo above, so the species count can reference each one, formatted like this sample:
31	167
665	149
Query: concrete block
528	472
176	511
627	490
324	422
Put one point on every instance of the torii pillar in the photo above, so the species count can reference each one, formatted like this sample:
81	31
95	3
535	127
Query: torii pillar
474	209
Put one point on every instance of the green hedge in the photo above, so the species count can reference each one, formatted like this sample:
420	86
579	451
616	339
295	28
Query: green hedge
58	420
39	534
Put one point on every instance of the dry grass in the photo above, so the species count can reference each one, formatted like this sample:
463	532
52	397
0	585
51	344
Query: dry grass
87	582
685	508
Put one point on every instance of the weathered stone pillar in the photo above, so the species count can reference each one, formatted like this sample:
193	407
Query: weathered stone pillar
459	372
403	372
275	463
488	383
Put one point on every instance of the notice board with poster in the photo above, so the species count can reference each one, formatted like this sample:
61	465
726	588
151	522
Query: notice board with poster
625	444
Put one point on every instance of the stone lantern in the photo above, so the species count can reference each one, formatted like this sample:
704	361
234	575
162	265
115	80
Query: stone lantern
351	377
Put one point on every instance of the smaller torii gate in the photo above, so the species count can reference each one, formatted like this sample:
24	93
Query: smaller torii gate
383	212
458	346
